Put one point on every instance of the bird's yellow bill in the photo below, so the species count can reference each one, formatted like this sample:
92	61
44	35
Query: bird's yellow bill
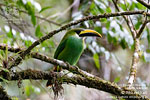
89	33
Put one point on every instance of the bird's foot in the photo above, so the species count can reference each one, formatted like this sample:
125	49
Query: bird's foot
76	67
68	65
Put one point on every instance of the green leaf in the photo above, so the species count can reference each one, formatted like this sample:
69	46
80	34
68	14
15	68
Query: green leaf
140	6
38	32
19	3
92	5
114	39
45	8
108	24
132	7
138	24
4	80
120	25
101	10
113	30
2	54
148	50
143	58
31	11
109	38
122	6
123	44
4	69
29	90
132	46
103	20
9	34
108	10
29	7
1	36
33	19
28	43
148	37
96	60
15	98
117	79
98	29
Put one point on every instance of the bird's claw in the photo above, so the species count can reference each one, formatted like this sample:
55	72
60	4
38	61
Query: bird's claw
68	65
76	67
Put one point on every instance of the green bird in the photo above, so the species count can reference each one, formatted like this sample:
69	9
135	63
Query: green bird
71	47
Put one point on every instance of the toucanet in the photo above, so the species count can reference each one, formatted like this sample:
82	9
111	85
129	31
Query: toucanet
71	47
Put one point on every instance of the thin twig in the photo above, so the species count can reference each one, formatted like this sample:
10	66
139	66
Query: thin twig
142	28
143	25
131	22
69	8
42	18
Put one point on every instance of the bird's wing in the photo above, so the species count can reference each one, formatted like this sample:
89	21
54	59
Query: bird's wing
60	48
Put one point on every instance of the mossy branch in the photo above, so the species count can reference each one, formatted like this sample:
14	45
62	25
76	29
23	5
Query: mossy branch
45	58
135	60
88	81
83	78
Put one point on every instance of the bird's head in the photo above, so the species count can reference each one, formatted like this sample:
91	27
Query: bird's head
86	32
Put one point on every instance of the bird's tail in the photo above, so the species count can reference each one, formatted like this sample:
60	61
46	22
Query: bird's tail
56	68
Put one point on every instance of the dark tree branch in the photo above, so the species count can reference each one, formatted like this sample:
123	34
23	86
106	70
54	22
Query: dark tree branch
11	49
73	69
142	28
144	3
3	94
27	51
88	81
143	25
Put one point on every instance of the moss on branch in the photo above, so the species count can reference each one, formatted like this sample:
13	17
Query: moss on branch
88	81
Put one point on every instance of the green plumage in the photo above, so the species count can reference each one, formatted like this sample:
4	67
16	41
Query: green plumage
70	48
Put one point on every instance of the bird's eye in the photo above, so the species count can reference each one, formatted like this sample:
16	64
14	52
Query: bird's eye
78	31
